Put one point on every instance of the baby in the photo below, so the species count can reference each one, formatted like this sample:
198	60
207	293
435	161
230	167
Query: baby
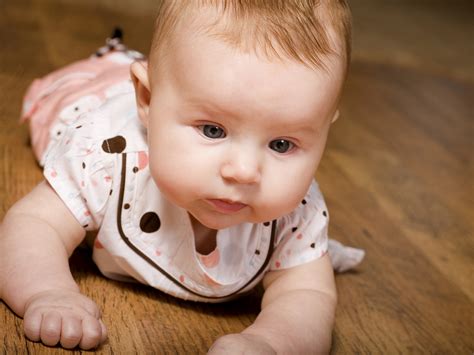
197	172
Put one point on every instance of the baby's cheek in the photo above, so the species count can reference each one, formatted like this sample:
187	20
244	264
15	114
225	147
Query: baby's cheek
172	182
284	195
162	177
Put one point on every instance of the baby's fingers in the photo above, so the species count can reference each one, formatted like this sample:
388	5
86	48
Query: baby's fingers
32	325
50	332
52	328
46	327
93	333
71	332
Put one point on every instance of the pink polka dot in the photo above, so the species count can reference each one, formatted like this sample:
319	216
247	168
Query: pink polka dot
212	259
277	264
157	252
108	178
87	213
142	160
181	279
53	173
300	236
98	244
94	182
83	184
210	281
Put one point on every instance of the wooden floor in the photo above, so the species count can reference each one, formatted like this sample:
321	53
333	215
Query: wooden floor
398	177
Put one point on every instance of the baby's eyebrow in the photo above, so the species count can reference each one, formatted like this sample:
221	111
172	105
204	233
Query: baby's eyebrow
213	108
301	129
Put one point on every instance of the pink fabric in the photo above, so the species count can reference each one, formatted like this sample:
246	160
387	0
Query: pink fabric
47	97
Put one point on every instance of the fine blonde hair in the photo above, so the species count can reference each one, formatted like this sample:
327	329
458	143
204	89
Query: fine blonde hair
303	30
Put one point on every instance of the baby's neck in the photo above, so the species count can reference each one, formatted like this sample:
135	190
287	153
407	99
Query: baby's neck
204	237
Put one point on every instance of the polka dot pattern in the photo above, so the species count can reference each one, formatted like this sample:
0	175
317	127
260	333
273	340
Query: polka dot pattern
113	145
142	160
150	222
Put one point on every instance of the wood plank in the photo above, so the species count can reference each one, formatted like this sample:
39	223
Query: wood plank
397	176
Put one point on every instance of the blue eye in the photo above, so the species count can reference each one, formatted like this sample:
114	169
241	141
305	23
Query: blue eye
281	145
212	131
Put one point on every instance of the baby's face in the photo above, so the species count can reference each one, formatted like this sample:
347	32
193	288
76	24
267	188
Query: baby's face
234	137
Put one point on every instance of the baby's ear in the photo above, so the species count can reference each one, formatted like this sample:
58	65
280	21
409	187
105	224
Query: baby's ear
335	117
139	75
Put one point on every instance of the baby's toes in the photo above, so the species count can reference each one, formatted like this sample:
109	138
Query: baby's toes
50	332
92	333
71	332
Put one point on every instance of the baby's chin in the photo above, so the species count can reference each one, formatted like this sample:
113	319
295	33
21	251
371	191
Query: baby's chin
223	222
219	223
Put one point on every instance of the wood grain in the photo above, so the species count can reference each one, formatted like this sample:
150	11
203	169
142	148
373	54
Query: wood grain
397	175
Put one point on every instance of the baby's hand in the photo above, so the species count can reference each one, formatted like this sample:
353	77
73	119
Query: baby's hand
65	317
241	344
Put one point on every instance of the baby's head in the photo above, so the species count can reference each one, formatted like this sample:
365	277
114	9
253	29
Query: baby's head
238	98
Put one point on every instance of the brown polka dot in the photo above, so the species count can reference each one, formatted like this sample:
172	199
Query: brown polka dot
126	206
83	165
303	202
266	224
110	192
257	252
135	169
325	214
294	229
77	127
313	245
114	145
150	222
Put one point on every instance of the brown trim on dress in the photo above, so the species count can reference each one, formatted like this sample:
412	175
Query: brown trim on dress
157	267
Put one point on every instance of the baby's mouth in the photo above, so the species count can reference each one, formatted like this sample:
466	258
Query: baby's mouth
226	206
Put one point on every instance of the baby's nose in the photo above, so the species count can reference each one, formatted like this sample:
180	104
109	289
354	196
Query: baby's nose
242	168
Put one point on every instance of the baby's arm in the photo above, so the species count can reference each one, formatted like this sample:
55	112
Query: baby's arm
297	314
37	237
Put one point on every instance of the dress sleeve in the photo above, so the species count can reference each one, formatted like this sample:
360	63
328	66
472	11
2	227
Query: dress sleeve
81	172
302	236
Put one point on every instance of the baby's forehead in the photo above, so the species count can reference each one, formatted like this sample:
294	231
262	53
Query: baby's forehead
205	72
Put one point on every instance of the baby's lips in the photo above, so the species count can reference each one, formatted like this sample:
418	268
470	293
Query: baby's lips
227	206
